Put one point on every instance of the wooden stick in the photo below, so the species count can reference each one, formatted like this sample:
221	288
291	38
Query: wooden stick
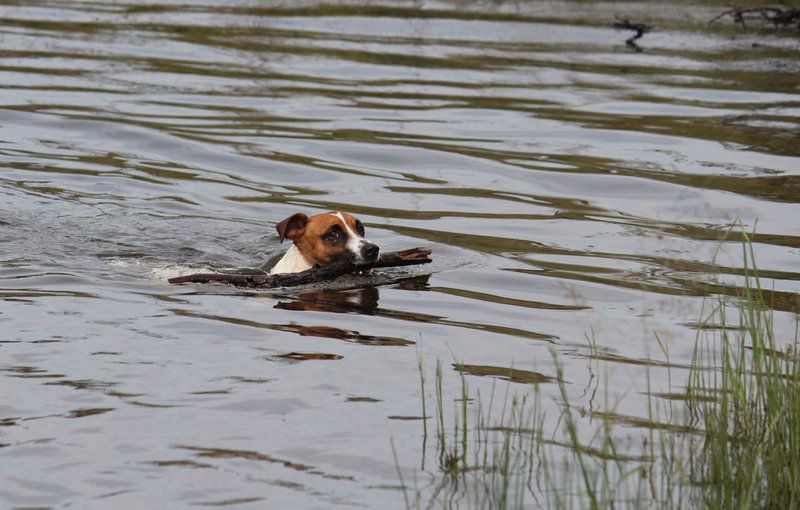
410	257
641	29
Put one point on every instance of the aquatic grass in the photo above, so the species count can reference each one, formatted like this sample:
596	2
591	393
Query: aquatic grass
495	454
730	440
485	463
749	456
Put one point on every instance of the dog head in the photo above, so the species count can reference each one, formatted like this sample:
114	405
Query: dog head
328	237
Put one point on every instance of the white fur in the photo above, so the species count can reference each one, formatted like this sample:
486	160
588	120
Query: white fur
292	262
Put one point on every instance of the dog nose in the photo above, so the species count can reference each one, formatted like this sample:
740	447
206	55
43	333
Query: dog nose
370	251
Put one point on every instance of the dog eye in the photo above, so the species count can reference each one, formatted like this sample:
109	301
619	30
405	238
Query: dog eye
360	228
333	235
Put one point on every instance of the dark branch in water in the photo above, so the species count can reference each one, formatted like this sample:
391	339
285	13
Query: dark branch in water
641	29
779	17
411	257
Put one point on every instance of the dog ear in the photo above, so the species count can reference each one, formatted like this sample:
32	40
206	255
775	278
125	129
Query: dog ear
292	227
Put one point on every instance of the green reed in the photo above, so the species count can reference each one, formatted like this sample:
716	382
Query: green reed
749	407
733	441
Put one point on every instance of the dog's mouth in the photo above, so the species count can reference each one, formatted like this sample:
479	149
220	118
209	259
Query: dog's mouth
361	259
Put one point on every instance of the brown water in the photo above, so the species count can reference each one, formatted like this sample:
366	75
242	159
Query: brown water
569	187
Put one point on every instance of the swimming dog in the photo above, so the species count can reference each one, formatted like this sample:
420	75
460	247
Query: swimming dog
322	239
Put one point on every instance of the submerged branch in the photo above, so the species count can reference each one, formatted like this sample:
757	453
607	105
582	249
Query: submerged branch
779	17
640	28
414	256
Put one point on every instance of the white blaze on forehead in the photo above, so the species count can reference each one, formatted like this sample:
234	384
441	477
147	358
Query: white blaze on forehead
354	240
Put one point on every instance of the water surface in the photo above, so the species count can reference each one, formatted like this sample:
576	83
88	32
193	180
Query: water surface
573	191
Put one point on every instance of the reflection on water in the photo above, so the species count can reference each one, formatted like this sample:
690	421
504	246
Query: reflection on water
509	374
319	331
363	300
578	197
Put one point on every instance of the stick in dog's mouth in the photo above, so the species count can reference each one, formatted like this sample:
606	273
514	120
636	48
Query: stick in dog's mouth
413	256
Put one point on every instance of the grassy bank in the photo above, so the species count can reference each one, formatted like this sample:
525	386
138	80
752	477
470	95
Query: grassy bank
730	438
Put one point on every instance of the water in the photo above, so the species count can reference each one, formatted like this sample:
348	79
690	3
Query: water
569	187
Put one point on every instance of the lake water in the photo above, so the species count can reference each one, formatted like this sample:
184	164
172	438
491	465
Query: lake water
573	191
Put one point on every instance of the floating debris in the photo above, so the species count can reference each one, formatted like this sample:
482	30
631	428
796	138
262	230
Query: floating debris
778	17
640	28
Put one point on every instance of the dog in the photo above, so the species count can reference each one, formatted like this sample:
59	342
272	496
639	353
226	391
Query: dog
322	239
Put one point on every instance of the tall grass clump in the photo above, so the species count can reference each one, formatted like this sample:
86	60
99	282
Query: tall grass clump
748	404
729	440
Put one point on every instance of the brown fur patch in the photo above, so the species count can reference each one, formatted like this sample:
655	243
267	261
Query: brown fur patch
312	244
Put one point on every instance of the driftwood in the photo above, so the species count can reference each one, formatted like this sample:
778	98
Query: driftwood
641	29
779	17
316	274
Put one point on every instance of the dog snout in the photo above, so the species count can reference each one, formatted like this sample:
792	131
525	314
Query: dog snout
369	252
